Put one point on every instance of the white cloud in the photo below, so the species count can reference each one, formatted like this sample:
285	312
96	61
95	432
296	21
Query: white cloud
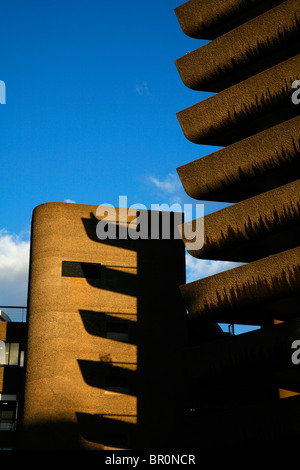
14	267
142	89
70	201
170	187
200	268
170	184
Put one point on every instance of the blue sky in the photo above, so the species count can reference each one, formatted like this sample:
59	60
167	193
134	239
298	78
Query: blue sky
92	93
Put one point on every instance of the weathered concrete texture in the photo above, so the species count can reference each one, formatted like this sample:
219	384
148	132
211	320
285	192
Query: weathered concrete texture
206	19
250	294
251	229
246	168
244	109
247	50
251	64
262	352
87	383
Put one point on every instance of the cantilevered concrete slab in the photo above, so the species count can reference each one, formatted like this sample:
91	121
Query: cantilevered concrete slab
261	43
262	351
251	106
246	168
207	20
252	294
251	229
236	382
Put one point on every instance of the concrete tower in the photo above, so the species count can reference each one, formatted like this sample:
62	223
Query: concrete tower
105	330
251	64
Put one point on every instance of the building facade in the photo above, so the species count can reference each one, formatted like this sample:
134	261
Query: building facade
113	361
12	351
105	331
251	65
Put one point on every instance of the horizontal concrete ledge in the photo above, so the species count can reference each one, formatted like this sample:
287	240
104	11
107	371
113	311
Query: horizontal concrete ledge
267	350
251	48
207	20
242	110
246	168
94	427
249	230
253	294
262	426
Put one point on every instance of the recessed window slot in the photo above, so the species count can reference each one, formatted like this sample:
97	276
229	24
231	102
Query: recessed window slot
81	269
117	384
117	331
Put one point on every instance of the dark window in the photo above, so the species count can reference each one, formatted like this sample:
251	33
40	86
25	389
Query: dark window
117	331
117	384
8	413
80	269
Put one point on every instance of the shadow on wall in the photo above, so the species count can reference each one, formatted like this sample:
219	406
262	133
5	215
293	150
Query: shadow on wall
60	435
159	334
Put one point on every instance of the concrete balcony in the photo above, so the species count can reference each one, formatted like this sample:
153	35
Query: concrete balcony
252	294
202	19
246	168
242	110
251	229
266	352
251	48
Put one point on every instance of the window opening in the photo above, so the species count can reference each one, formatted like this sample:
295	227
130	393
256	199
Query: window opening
9	353
117	384
117	331
81	269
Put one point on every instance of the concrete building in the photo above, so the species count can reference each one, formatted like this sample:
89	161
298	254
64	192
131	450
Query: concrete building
12	349
113	361
251	64
105	331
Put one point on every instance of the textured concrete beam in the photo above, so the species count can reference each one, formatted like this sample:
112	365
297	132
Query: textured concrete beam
247	50
208	19
259	163
251	294
243	109
251	229
267	350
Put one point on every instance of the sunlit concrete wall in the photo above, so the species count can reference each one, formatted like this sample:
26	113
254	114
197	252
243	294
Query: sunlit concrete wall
103	365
